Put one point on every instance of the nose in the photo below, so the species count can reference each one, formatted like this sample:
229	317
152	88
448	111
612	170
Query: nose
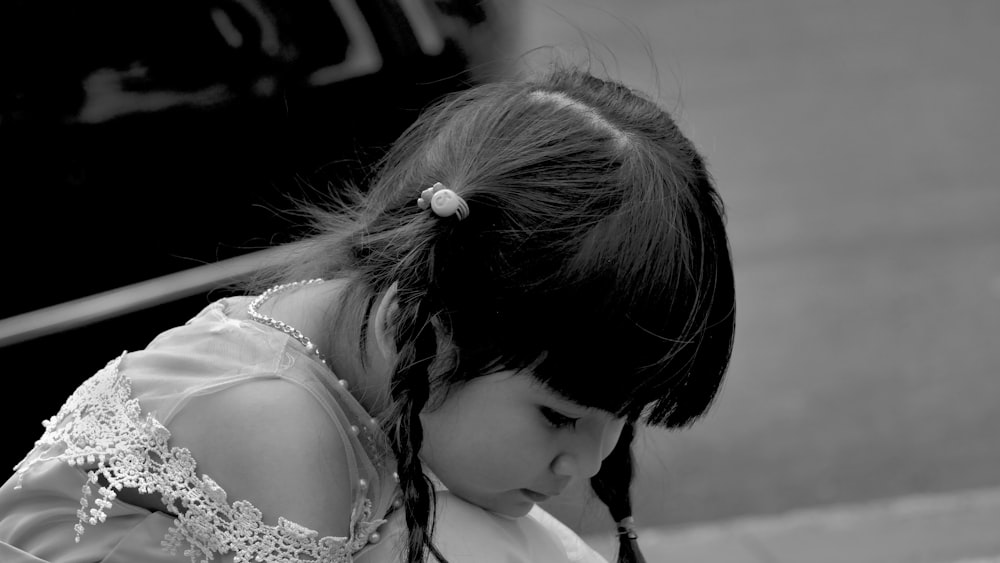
583	455
576	465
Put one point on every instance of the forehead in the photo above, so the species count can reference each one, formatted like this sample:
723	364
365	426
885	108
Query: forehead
522	384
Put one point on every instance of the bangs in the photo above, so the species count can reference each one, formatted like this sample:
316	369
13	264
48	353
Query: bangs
654	353
653	359
665	374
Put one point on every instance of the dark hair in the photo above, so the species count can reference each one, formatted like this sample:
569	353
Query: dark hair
595	254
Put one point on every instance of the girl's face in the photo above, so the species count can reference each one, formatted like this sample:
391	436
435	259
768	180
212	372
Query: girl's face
505	442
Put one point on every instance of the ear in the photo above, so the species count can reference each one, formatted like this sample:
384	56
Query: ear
387	308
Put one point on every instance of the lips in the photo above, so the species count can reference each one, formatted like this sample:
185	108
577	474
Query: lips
535	496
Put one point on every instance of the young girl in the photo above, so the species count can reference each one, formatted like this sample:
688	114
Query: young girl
538	267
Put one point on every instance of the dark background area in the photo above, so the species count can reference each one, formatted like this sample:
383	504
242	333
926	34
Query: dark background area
138	140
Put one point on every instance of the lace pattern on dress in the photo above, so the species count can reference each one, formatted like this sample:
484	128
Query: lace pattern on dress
102	424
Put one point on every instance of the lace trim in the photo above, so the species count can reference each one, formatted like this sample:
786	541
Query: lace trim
101	424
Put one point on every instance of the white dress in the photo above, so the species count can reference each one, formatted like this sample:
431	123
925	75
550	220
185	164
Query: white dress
61	505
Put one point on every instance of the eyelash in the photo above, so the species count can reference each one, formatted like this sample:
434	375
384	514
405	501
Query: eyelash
558	421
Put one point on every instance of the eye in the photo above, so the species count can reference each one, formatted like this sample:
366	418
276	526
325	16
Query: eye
557	420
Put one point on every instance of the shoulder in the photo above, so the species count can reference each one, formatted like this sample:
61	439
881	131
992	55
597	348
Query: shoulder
577	550
247	468
270	442
466	532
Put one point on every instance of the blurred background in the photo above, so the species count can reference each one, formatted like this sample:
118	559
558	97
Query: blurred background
855	144
152	147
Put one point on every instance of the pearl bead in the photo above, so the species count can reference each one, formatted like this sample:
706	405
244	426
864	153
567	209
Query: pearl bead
343	383
397	503
355	429
374	538
256	315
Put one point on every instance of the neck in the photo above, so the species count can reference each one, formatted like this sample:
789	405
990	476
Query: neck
366	370
331	324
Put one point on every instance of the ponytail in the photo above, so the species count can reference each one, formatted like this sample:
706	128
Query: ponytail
612	484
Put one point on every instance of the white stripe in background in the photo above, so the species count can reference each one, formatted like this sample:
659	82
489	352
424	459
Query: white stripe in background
427	34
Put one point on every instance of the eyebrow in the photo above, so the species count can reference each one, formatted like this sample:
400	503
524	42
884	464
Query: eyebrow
569	402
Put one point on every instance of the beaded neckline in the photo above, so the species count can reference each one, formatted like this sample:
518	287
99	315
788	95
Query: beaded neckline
255	314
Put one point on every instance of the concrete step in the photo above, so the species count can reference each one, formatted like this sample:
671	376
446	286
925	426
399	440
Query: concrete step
961	527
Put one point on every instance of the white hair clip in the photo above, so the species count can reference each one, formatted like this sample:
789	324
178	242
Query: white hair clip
443	202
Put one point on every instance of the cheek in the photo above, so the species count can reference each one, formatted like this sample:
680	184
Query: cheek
487	449
611	437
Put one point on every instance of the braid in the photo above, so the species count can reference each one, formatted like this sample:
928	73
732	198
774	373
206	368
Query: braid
418	495
612	484
410	392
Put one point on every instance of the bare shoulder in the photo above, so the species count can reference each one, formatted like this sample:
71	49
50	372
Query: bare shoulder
270	442
467	533
464	533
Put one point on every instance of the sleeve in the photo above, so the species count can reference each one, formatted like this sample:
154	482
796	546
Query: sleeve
104	436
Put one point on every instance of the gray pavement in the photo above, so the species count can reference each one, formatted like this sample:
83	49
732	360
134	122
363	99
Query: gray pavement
944	528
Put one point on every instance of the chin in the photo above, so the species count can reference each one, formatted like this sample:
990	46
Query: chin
515	509
507	508
521	512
